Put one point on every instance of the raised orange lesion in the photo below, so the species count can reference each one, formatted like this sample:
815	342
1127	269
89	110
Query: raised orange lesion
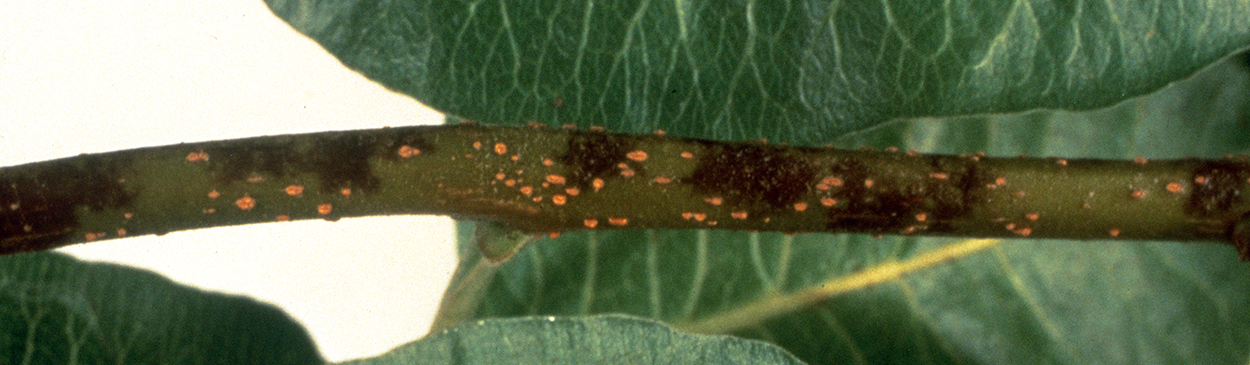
407	151
555	179
245	203
197	156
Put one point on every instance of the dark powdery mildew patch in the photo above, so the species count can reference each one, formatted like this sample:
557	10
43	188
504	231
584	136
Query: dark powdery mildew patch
891	204
745	174
342	161
338	160
1217	187
38	204
238	161
595	155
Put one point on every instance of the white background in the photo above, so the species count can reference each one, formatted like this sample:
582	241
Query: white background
87	76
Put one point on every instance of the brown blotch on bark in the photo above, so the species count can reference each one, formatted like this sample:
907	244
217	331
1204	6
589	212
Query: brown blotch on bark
896	198
42	199
595	155
1218	186
746	174
241	160
342	161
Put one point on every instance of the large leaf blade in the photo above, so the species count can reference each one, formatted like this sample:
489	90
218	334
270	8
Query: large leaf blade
1018	301
55	309
584	340
799	72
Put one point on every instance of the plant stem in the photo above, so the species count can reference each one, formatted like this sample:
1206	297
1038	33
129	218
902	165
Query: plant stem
548	181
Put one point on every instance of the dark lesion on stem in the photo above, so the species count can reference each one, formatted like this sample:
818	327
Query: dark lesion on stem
1217	187
595	155
614	181
749	174
879	201
39	209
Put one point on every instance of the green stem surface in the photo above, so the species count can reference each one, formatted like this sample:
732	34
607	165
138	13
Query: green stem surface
548	181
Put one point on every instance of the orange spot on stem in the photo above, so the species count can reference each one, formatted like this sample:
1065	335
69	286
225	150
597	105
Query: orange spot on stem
407	151
800	206
559	199
294	190
324	209
590	222
597	183
197	156
555	179
638	155
501	148
828	202
572	191
618	221
715	200
1175	188
740	214
245	203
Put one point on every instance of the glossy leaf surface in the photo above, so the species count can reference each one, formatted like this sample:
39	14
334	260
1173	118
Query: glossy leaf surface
794	71
55	309
581	340
859	299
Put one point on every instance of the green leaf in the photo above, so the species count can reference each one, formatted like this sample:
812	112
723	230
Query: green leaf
812	73
859	299
798	72
55	309
579	340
